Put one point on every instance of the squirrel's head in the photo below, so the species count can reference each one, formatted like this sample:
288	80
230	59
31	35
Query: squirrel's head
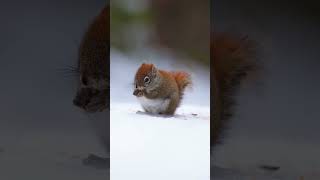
93	65
92	94
93	91
146	79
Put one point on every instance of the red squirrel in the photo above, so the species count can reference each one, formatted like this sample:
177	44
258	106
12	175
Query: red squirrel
232	59
93	65
159	91
94	91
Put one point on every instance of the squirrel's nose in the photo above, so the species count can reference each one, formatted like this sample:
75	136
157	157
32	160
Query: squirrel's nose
77	102
82	98
137	93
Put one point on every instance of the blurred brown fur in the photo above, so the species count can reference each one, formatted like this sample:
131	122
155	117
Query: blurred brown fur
93	65
184	26
94	91
232	59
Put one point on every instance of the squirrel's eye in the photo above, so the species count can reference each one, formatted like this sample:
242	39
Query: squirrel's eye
146	79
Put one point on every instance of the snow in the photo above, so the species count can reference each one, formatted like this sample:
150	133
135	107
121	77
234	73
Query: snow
145	146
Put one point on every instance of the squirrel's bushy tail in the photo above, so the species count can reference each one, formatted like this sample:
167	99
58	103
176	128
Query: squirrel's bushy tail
183	80
232	59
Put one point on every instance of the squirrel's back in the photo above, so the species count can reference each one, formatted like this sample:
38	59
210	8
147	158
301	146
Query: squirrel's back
94	49
232	59
98	28
181	79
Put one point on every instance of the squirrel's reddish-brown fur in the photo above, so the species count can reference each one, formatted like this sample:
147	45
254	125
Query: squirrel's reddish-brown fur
232	59
164	86
93	91
93	65
182	79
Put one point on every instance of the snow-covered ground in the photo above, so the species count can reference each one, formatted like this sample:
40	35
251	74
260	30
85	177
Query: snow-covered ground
155	147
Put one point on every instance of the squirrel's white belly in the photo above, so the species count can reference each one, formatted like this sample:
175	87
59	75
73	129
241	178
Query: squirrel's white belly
155	106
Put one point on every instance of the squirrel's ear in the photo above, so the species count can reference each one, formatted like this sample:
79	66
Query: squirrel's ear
153	69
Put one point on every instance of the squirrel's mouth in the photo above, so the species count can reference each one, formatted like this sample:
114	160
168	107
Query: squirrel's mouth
93	107
91	101
137	93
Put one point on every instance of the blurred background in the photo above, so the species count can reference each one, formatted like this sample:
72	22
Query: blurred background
277	118
42	135
181	26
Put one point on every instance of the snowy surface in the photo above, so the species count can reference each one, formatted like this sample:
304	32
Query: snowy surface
147	147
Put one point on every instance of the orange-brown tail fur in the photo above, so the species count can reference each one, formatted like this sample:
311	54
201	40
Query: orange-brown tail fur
232	59
183	80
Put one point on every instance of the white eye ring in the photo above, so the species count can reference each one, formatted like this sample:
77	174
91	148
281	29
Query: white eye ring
146	79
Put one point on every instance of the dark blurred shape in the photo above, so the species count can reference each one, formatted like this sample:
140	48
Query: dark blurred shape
183	25
94	66
94	90
269	168
91	100
96	162
233	58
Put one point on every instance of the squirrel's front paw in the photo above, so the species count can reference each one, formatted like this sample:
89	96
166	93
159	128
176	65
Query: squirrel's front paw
140	112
